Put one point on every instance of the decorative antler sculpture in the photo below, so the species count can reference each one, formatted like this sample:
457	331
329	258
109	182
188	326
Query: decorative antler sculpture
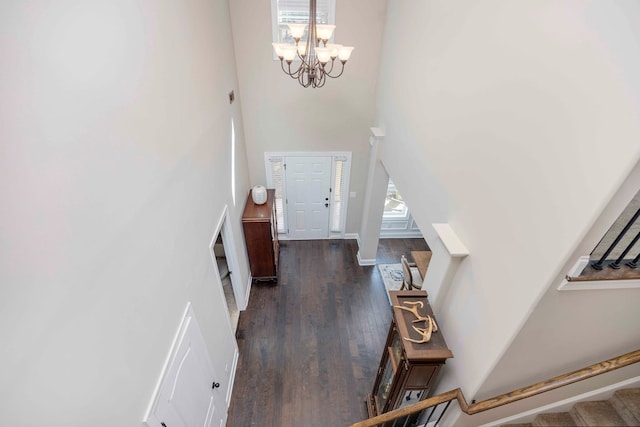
430	323
413	309
425	332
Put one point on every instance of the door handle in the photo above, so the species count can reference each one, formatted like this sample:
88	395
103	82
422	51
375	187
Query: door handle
326	205
215	385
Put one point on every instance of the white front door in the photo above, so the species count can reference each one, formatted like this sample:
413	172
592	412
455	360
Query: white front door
308	182
190	394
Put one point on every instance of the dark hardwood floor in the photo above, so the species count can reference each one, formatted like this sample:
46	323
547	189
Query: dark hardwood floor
310	345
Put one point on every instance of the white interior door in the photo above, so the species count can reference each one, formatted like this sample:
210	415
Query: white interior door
190	394
308	182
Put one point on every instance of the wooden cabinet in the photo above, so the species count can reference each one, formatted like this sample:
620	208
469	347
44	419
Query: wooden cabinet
261	237
407	370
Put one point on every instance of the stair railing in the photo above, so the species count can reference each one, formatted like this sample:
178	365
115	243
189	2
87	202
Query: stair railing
503	399
599	264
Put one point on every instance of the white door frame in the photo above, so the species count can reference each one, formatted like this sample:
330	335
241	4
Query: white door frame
224	228
335	155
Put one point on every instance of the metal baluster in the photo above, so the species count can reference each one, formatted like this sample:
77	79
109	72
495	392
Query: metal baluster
598	264
433	409
616	264
633	263
443	411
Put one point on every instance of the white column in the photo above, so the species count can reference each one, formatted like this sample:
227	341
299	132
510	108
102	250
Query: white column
374	196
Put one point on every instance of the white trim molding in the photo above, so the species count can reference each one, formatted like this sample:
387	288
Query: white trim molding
451	241
584	285
377	134
363	262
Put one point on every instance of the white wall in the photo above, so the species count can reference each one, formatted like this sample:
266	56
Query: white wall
602	324
115	168
514	122
281	115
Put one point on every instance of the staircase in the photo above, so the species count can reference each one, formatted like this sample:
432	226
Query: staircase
622	409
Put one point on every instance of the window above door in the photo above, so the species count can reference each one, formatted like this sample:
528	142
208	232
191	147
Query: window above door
285	12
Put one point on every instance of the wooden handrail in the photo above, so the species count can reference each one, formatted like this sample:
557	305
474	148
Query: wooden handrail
504	399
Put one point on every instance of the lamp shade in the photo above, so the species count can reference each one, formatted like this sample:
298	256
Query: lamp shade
324	31
278	48
302	49
335	48
259	195
323	54
344	53
297	30
289	52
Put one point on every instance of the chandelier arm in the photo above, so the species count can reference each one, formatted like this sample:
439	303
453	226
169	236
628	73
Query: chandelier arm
333	61
341	71
309	73
302	81
322	80
301	76
299	70
284	69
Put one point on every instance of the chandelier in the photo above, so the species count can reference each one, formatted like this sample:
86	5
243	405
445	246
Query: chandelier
317	57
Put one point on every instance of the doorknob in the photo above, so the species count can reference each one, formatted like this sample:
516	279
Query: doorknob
326	205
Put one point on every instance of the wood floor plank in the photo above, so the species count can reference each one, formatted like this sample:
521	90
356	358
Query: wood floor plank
310	345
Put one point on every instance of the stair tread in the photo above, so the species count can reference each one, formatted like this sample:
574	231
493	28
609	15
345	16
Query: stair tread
627	403
596	413
560	419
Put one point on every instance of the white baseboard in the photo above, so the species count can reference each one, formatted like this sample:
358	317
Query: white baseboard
363	262
401	235
346	236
